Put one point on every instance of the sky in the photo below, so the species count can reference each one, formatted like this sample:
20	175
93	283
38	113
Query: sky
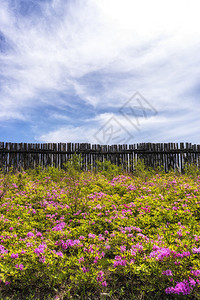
99	71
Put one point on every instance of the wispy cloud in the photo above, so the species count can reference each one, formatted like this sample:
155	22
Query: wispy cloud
67	66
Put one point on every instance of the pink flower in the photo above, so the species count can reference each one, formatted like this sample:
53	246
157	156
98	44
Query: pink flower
38	234
30	234
196	250
122	249
160	254
3	250
119	261
90	235
181	287
155	247
100	278
59	253
102	254
196	272
192	281
167	272
101	273
85	270
179	233
42	259
14	255
59	226
19	266
40	249
81	259
104	283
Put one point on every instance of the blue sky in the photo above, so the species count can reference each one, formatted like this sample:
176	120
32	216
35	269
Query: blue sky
107	72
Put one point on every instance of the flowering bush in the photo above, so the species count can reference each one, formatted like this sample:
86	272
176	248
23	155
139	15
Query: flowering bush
125	237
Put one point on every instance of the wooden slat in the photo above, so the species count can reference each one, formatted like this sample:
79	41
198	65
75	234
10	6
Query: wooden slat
182	161
177	158
194	154
198	156
190	154
1	156
63	148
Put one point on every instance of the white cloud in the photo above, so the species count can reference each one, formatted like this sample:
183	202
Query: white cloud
67	135
146	46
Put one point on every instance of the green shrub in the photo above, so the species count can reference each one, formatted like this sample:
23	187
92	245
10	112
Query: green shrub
191	169
74	165
141	170
108	169
84	236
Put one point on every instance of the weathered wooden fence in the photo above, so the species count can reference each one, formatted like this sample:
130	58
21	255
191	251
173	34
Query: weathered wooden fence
169	155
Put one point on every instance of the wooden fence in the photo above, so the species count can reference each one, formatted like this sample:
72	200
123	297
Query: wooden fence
169	155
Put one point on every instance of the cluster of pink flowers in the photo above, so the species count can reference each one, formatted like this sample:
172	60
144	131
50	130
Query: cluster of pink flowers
20	266
3	250
59	253
97	195
138	247
92	236
167	272
145	208
196	250
14	185
179	233
122	249
107	247
143	236
40	249
129	229
119	261
118	179
30	234
81	259
100	278
69	243
101	237
78	213
85	270
42	259
181	255
131	187
98	256
39	234
59	226
195	272
160	253
14	255
181	287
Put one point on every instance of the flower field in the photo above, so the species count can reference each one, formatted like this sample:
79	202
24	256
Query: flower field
90	236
